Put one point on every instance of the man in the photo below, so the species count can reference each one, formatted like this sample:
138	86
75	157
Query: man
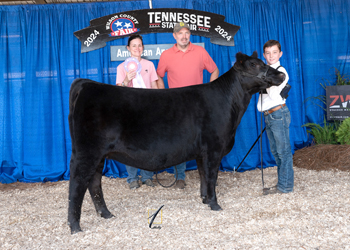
184	64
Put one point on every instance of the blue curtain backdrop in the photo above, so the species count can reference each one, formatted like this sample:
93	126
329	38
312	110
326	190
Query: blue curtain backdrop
40	57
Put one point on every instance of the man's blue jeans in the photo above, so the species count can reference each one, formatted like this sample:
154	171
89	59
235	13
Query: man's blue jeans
277	129
132	174
180	171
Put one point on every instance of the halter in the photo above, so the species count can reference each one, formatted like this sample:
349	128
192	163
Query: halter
261	75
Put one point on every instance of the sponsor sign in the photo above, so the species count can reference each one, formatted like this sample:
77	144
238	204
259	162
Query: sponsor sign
118	25
338	102
150	52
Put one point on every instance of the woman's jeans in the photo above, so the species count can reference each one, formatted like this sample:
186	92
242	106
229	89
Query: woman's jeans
277	129
180	169
132	174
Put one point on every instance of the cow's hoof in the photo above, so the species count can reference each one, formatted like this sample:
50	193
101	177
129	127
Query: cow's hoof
75	230
205	200
74	227
105	214
215	207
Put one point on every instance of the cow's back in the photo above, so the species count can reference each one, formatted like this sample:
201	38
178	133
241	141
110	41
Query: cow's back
145	120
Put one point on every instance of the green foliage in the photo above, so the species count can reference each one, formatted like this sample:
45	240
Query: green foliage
320	100
343	132
341	79
325	134
333	132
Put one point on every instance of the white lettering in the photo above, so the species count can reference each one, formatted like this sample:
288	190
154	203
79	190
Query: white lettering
207	21
147	53
159	51
157	18
179	17
123	53
168	25
150	14
130	17
165	16
172	17
200	20
186	18
193	27
176	17
108	24
193	18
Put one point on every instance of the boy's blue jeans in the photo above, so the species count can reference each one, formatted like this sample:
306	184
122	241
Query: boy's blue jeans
277	129
132	174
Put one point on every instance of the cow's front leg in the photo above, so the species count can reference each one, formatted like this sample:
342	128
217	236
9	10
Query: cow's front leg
208	171
213	175
96	193
212	169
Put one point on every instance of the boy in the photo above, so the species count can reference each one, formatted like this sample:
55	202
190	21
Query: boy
277	119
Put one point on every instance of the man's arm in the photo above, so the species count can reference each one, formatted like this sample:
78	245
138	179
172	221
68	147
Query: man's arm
160	82
214	75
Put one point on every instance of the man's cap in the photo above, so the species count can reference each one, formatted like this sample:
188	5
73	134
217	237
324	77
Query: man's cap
181	25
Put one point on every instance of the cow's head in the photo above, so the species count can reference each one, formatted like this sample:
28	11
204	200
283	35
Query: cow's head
258	76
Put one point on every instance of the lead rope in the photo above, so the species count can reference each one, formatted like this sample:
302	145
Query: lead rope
175	174
261	153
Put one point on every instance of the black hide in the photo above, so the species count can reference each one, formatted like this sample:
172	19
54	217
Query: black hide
155	129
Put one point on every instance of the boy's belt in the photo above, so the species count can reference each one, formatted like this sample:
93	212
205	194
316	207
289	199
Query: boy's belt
270	111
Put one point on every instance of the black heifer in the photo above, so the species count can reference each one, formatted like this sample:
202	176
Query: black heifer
155	129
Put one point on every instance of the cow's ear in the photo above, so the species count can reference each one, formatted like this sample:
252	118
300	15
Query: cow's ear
239	56
240	59
255	54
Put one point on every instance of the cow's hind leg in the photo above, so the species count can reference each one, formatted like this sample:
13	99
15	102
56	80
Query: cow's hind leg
82	172
77	189
96	193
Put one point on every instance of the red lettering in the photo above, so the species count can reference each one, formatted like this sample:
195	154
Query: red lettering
123	32
335	99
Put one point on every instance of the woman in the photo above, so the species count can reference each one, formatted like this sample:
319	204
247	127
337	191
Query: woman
130	78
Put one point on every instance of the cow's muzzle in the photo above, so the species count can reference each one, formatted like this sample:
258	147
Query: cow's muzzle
261	75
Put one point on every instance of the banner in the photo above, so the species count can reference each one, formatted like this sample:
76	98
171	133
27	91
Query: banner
338	102
150	52
118	25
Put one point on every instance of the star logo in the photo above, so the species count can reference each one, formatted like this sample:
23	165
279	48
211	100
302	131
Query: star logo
127	25
122	26
118	24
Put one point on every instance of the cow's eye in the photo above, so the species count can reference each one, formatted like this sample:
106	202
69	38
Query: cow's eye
252	64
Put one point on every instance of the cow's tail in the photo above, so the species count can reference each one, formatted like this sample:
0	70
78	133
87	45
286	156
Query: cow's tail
75	89
74	92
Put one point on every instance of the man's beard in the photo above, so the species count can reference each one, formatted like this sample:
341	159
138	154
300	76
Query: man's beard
185	44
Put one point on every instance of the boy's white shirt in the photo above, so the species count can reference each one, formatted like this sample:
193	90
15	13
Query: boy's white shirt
273	97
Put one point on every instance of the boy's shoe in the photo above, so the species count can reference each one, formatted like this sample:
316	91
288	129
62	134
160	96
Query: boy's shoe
180	184
272	191
270	188
149	183
134	185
